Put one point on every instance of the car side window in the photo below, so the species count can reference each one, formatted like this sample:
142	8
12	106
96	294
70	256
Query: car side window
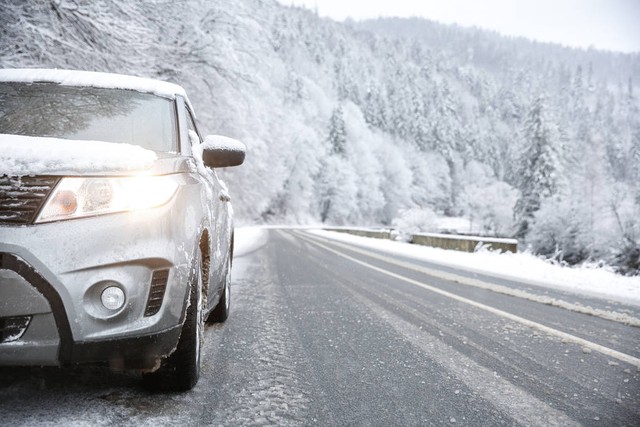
194	136
191	125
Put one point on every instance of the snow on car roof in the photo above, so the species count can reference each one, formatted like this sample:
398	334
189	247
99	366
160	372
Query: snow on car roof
92	79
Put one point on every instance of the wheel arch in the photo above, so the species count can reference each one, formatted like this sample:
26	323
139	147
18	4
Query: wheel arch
205	250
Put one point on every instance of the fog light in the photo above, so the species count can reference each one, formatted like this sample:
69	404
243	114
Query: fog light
112	298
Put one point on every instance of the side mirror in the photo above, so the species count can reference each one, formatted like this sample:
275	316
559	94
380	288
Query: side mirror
221	152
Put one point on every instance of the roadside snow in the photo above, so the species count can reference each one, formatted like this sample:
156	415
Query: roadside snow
248	239
522	267
26	155
456	225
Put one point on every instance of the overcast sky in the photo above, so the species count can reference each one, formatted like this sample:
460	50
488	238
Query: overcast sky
604	24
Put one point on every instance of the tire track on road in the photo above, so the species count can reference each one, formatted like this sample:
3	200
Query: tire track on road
546	329
260	365
614	316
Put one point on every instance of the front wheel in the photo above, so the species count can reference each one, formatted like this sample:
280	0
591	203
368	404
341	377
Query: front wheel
181	370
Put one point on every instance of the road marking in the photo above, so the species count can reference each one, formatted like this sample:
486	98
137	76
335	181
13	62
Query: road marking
614	316
509	398
562	335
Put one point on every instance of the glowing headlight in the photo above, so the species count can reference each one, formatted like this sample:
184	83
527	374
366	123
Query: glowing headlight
79	197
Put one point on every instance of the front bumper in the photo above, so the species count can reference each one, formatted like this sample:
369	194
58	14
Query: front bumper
54	273
48	339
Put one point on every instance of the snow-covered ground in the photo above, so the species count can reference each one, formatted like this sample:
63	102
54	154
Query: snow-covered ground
522	267
248	239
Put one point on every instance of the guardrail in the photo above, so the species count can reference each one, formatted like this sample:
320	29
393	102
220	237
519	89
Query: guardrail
464	243
443	241
363	232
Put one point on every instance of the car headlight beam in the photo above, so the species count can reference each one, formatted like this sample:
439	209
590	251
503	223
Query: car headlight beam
77	197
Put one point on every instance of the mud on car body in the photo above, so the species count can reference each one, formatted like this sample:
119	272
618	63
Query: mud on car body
116	235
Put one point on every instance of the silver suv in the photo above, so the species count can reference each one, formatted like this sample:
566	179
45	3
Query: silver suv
116	236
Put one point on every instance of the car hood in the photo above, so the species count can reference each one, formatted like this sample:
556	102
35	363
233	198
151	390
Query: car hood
26	155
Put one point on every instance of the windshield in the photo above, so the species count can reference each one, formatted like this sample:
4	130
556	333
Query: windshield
88	113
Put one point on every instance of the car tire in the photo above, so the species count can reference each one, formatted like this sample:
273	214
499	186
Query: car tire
221	312
181	370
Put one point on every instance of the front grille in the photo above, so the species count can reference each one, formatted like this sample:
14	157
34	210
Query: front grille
12	328
22	197
156	293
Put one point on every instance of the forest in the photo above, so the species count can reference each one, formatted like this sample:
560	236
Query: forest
390	122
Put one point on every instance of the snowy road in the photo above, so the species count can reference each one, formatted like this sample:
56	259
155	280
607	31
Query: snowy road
324	334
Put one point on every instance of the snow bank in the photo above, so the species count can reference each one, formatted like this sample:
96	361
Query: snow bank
522	267
248	239
26	155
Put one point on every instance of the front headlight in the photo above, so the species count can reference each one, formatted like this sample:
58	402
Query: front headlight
76	197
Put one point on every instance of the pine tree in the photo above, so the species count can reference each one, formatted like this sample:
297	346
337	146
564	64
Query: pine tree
375	109
337	132
634	154
419	126
590	86
446	140
539	165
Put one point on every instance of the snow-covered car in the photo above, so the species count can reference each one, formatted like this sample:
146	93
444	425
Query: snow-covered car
116	235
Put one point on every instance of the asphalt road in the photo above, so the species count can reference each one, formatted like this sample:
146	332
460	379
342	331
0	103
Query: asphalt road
323	333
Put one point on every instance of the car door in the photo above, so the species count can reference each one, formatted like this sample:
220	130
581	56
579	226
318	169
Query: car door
220	218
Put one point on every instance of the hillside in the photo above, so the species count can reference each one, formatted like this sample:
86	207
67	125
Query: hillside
382	122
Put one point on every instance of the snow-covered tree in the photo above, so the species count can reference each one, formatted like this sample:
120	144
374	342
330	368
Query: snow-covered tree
422	105
337	191
539	165
337	132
